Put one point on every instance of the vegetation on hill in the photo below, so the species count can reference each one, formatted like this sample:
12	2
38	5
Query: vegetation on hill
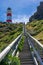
35	28
8	32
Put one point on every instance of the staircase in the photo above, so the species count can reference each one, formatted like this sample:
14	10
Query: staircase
25	55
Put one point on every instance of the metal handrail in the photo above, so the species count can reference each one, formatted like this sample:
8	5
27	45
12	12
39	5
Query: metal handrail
41	45
7	49
13	53
34	50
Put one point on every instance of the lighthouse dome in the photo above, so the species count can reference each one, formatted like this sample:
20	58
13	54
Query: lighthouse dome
9	8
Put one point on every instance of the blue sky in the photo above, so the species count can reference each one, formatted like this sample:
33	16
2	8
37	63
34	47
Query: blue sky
21	9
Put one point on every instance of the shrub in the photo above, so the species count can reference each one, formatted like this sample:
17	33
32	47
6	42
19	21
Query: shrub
20	47
9	60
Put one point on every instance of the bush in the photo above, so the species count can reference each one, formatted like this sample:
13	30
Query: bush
9	60
20	47
15	61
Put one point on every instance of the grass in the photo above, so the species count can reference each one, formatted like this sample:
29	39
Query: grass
8	32
6	38
20	47
39	37
35	28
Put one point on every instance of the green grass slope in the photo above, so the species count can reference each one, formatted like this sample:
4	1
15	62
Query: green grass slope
35	28
8	32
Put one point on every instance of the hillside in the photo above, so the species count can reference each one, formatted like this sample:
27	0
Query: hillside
8	32
38	15
35	28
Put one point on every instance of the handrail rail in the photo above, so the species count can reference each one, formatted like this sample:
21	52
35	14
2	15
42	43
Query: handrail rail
7	49
34	50
36	53
41	45
13	53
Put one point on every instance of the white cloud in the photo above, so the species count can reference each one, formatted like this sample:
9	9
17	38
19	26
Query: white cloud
21	18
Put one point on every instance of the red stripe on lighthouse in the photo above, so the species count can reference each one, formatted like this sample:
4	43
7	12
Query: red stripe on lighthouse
9	14
9	20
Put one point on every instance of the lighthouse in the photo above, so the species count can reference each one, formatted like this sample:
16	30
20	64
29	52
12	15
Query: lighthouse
9	15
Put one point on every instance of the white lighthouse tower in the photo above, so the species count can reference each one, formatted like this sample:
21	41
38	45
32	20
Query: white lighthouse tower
9	15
